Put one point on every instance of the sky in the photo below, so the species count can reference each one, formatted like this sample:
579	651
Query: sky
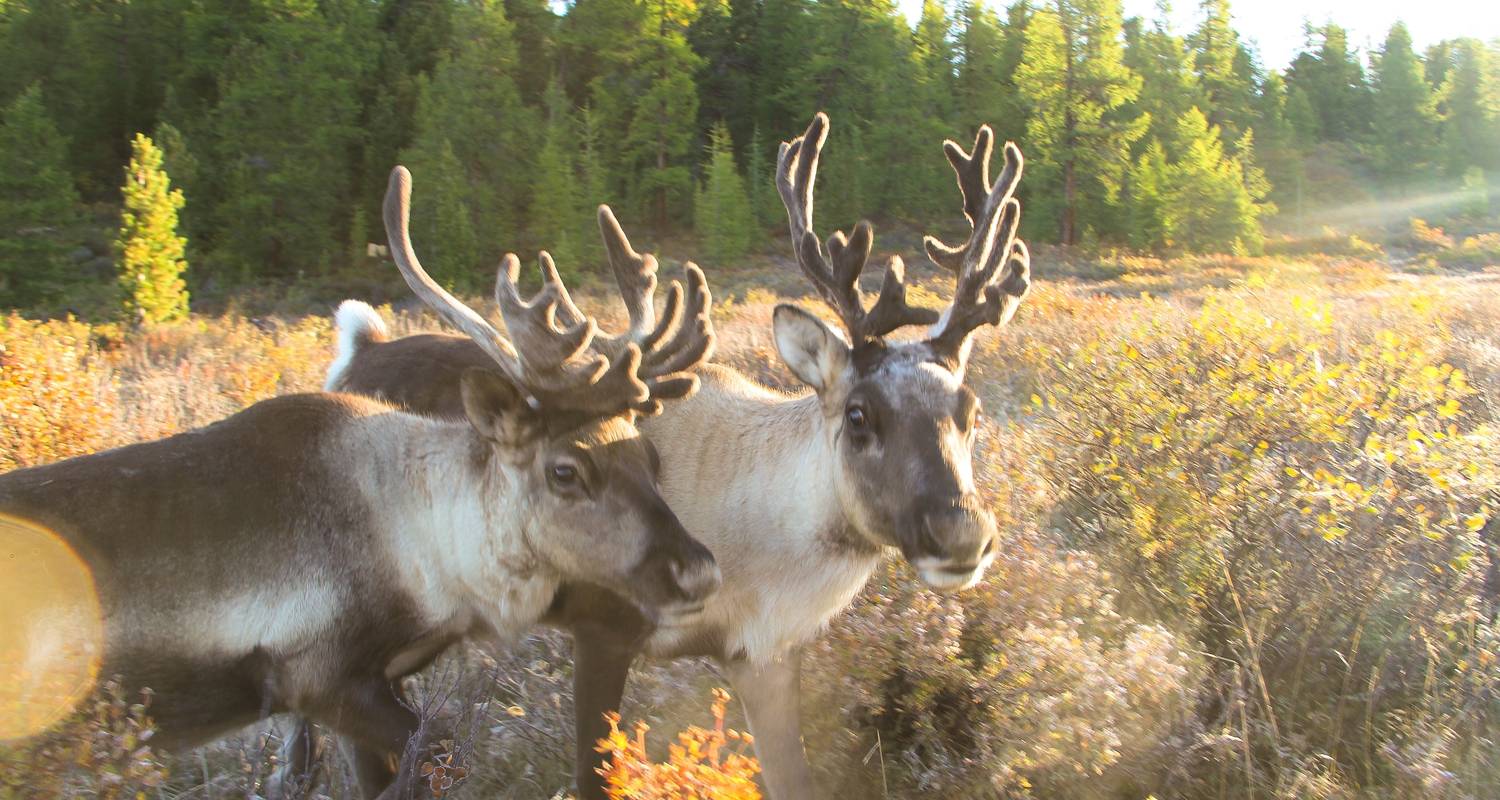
1276	25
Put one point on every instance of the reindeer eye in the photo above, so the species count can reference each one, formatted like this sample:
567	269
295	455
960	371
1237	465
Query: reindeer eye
563	476
858	420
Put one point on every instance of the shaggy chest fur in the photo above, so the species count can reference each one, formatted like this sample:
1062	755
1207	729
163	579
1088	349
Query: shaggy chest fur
745	472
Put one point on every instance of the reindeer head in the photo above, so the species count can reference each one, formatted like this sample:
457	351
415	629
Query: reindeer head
898	413
555	420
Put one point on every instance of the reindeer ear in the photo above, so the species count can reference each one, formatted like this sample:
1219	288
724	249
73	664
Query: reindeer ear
497	408
810	347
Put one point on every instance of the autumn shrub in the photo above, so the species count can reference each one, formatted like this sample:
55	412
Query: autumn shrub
1481	250
103	751
704	764
1304	494
1328	242
57	393
1426	238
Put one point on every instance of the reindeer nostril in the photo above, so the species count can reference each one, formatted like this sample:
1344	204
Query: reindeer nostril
989	548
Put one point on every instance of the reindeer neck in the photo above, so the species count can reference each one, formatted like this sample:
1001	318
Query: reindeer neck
455	523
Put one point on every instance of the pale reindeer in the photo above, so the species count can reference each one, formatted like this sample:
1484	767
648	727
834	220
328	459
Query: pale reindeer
798	497
309	552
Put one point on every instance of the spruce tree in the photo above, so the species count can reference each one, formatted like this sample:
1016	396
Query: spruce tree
37	201
472	106
1405	129
1224	71
1470	130
559	223
1148	185
150	255
1334	81
980	88
442	223
1076	84
1168	86
722	208
284	146
1207	206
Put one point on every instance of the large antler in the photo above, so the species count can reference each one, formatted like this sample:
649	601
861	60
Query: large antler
556	366
993	267
836	277
671	346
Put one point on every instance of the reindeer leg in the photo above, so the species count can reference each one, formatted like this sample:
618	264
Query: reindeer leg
601	663
771	694
377	725
301	764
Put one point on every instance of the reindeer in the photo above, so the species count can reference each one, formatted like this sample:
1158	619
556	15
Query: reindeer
799	497
309	552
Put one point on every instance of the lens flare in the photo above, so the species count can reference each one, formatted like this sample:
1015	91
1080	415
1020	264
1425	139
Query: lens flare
53	630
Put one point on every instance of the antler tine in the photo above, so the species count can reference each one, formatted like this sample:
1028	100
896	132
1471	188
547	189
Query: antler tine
891	311
972	170
838	282
397	214
796	173
564	366
681	339
986	294
635	274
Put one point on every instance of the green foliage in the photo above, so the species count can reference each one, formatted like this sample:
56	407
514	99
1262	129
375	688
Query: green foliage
283	131
151	256
37	199
1404	113
1208	206
1075	82
1467	103
1334	82
472	107
564	223
722	210
1275	473
282	118
441	223
1224	70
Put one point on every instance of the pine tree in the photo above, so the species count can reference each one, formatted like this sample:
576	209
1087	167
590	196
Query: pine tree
980	88
1148	179
1076	83
1280	144
1405	116
1168	86
285	141
151	256
644	94
722	208
760	184
37	198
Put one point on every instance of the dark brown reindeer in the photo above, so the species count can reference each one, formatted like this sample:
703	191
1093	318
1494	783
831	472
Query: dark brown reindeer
309	552
799	497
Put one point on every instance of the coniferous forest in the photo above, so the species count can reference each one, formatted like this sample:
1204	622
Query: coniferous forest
279	119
